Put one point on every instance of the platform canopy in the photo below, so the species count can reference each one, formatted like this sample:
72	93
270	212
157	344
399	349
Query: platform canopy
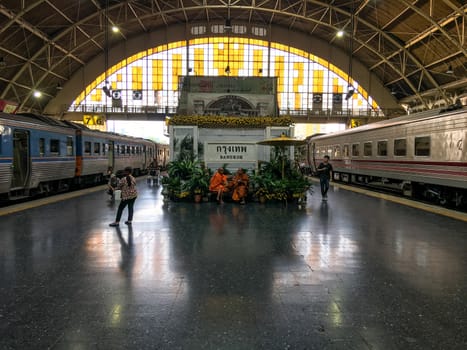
415	48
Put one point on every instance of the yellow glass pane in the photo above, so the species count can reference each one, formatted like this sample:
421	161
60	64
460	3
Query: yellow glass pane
298	81
258	62
157	72
298	101
322	62
279	72
176	70
97	96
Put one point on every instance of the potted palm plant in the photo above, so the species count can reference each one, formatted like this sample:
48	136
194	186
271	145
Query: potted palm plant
197	185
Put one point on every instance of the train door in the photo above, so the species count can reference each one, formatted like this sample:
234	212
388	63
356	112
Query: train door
21	159
313	157
146	156
110	155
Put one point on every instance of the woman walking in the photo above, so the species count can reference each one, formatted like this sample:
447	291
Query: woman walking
127	185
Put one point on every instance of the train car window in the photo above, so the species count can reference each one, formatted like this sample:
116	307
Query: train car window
355	149
97	148
55	146
382	148
368	149
128	149
69	146
87	147
400	147
116	149
133	150
122	149
104	148
422	146
345	151
41	147
337	151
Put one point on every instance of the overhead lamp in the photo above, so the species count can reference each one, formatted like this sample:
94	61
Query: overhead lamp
59	87
393	92
340	33
227	69
450	70
37	94
115	29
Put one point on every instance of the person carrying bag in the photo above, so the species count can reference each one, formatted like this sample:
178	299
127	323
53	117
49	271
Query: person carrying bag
127	185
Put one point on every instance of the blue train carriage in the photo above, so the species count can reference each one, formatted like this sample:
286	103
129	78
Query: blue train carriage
37	155
422	155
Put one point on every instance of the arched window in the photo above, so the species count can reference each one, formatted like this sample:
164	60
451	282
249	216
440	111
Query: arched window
149	80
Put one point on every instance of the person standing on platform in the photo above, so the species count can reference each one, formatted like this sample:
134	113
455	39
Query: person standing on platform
152	172
239	186
127	185
112	185
324	171
218	184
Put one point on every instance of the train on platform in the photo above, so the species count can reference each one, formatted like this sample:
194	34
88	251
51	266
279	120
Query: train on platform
43	155
422	155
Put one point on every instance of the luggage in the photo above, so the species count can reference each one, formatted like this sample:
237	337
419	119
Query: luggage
117	195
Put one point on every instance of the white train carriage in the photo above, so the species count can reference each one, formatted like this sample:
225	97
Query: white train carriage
102	150
131	151
424	154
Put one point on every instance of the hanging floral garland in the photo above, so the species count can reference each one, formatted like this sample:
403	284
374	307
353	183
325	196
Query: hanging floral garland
230	122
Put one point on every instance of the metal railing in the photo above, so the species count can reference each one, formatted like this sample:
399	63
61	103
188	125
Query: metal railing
82	108
305	113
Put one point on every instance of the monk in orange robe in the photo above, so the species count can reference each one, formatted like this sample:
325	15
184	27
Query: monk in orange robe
218	184
239	185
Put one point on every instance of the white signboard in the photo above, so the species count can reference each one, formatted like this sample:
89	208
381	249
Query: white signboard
230	152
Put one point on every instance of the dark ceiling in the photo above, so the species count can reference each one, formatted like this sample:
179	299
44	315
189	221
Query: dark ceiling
418	49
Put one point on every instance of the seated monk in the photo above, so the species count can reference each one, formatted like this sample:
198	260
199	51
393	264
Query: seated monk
218	184
239	185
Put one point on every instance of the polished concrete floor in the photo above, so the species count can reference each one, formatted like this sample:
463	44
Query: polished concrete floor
353	273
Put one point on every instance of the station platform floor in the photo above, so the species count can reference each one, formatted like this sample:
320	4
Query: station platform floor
355	272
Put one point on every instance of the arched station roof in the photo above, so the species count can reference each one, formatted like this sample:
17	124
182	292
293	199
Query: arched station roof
415	50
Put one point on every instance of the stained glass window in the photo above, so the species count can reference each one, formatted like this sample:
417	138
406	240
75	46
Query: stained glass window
149	80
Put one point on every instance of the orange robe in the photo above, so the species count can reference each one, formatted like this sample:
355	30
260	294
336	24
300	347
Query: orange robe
217	182
240	186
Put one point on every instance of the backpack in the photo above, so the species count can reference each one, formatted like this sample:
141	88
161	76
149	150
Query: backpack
113	181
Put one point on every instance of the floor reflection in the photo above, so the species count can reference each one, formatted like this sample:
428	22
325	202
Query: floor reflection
202	276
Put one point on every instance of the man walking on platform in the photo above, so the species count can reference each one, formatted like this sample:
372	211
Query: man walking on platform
324	171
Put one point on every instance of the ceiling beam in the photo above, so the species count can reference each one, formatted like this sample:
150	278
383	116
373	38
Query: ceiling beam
36	32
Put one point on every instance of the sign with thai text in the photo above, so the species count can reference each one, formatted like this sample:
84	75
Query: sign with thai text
230	152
